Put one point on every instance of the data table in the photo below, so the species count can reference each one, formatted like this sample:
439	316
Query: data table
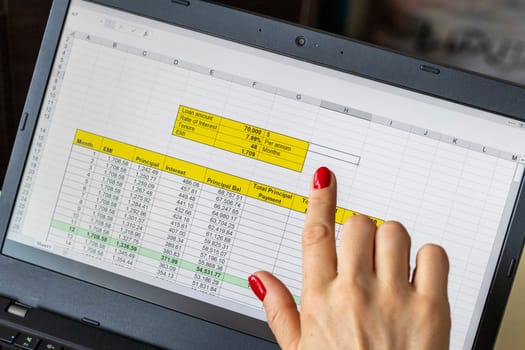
177	221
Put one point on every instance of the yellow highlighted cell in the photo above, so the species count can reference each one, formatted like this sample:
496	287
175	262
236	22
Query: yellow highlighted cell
117	149
232	125
339	212
207	140
253	130
299	203
280	161
185	169
240	138
270	194
149	158
276	152
245	151
88	140
205	125
207	119
231	140
226	181
201	115
195	127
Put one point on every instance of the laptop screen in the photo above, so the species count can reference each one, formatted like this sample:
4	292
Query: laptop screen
169	165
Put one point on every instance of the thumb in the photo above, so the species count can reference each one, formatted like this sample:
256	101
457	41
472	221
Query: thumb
281	310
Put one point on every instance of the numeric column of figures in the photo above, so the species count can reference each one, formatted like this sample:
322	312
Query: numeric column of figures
206	238
223	231
259	233
211	241
169	225
132	216
73	198
100	209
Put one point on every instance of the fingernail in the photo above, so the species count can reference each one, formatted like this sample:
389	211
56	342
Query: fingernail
322	178
257	287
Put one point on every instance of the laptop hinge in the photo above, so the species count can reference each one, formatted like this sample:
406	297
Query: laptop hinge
17	309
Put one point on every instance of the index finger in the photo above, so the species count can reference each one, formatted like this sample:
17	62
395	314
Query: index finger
318	240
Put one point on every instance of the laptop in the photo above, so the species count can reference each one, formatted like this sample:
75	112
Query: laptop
165	153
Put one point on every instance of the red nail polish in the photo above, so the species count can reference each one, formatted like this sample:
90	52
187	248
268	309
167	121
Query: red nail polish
257	287
322	178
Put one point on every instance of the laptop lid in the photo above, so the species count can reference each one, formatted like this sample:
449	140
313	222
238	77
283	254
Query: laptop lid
166	149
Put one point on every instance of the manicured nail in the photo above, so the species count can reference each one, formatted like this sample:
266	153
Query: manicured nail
257	287
322	178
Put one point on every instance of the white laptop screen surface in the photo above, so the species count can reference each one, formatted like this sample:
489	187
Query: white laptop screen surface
184	161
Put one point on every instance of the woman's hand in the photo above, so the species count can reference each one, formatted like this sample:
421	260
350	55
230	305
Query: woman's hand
361	298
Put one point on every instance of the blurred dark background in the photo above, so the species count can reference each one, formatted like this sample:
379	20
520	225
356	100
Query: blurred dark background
487	36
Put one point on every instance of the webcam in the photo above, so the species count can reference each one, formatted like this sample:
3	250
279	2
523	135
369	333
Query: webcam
300	41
